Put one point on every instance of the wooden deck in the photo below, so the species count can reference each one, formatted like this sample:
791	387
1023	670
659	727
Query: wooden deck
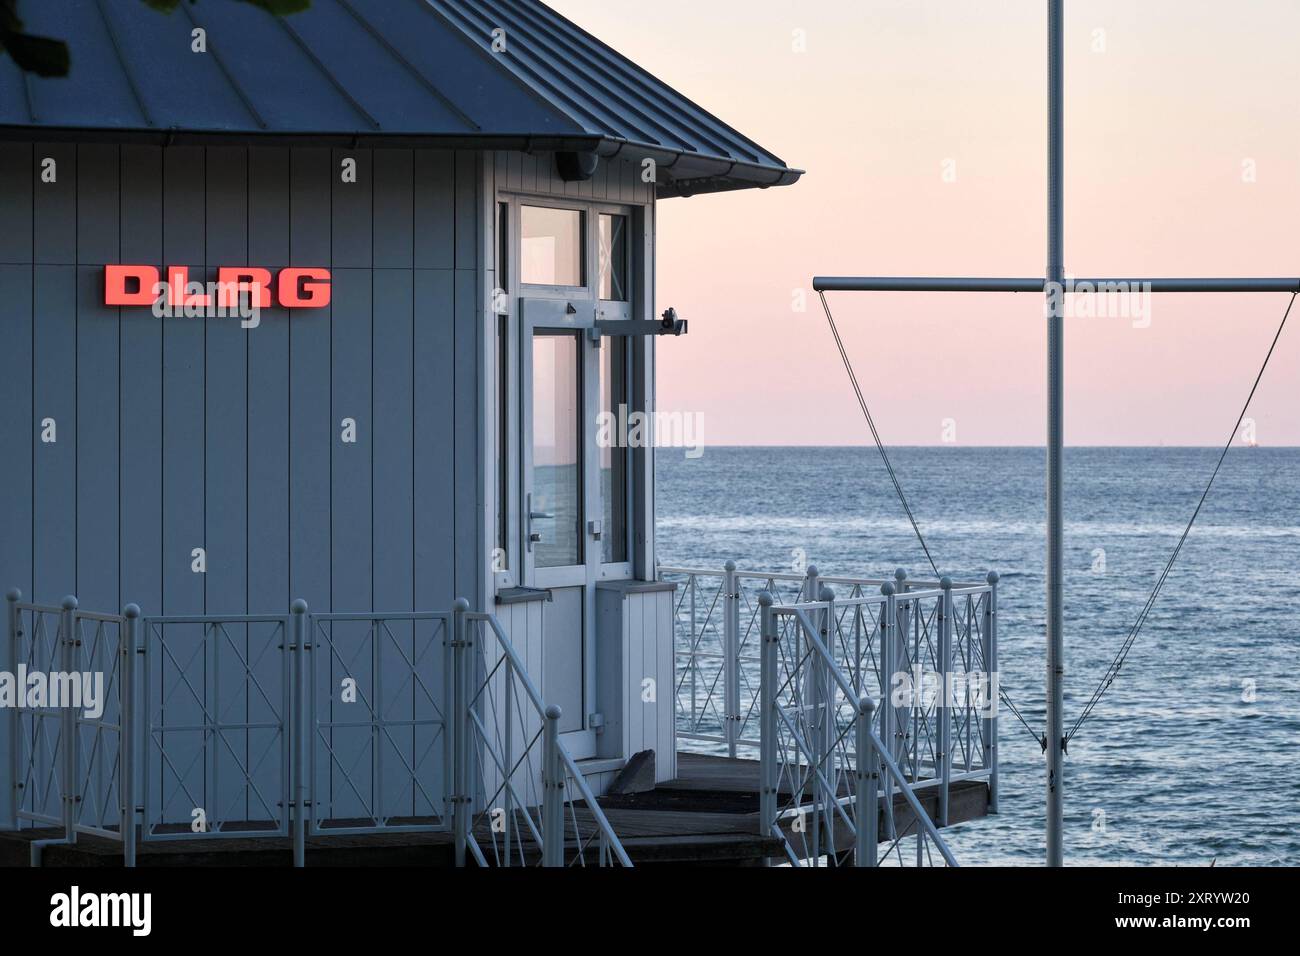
722	788
707	816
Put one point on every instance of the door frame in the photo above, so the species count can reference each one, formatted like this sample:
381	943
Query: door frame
517	395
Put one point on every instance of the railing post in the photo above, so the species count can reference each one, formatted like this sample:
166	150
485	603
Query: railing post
888	667
902	621
126	746
460	730
68	785
553	774
943	710
812	584
731	655
298	641
697	638
828	689
993	692
767	716
867	774
813	701
10	715
508	763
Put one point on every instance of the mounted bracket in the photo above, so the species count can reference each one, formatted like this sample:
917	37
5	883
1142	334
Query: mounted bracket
668	324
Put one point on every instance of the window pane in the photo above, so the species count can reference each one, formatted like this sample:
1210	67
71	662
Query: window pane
552	246
613	258
614	453
503	245
501	560
557	450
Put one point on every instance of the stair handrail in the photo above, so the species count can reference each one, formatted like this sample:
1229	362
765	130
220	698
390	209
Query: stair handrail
891	766
869	749
559	765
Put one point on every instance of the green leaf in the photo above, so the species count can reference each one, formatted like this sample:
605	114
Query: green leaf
46	56
40	55
281	7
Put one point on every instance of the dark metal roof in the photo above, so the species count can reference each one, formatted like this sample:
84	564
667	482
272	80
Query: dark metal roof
369	72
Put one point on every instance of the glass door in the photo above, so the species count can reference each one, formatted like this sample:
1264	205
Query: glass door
575	476
560	482
562	547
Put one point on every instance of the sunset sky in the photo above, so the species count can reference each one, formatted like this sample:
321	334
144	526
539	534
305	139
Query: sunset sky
1183	159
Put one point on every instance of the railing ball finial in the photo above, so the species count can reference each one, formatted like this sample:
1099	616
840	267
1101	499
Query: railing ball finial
554	712
866	706
945	582
299	606
887	589
14	594
729	566
70	603
826	594
765	598
131	610
460	605
900	575
812	571
993	577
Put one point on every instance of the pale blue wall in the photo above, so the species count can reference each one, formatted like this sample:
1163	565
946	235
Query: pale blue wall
180	433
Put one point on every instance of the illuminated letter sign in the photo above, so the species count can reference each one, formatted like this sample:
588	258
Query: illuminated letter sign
128	285
304	288
231	282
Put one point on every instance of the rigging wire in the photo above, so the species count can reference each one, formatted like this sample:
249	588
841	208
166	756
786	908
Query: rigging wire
1112	672
1117	664
898	487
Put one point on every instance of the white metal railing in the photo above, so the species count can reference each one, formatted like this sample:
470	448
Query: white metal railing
70	767
397	669
927	650
218	697
530	801
715	642
716	652
296	724
822	761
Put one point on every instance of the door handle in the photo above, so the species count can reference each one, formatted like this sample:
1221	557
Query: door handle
535	537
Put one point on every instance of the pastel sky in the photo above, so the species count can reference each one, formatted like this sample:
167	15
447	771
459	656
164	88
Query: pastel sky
1183	159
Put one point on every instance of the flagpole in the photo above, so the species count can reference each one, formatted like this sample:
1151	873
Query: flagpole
1055	426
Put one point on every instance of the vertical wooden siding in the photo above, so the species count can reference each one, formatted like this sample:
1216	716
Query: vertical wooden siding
181	433
176	434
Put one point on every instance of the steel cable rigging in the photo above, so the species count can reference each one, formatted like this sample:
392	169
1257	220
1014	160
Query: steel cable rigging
1126	647
898	488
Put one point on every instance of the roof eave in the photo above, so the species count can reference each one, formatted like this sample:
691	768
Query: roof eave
706	173
700	173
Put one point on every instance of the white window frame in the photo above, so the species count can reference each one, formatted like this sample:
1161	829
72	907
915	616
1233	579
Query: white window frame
639	371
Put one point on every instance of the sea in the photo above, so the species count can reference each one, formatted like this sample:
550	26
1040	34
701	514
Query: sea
1191	757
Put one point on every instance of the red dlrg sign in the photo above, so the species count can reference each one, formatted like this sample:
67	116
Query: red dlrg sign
127	285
